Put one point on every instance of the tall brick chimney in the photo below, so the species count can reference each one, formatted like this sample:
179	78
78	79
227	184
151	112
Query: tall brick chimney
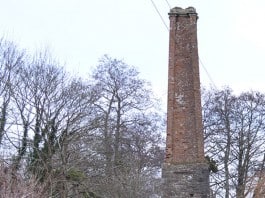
185	172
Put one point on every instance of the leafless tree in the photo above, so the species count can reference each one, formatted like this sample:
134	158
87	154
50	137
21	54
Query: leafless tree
234	128
74	137
11	60
129	127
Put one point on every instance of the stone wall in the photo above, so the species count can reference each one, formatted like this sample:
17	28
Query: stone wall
185	180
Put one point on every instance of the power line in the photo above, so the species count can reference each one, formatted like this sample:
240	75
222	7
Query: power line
168	4
204	68
159	14
207	73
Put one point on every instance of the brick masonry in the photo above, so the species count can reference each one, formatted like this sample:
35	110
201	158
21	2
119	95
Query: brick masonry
185	172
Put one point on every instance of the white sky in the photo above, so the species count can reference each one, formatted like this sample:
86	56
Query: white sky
231	36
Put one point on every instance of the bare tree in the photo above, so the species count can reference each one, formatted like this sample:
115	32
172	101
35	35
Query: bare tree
234	128
11	60
49	111
129	128
76	138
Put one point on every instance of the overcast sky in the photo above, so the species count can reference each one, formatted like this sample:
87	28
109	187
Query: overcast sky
231	36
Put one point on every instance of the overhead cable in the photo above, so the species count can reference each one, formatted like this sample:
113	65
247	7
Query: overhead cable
207	73
201	63
168	4
159	14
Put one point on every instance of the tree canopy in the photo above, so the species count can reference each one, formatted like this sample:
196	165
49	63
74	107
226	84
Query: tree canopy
99	137
234	128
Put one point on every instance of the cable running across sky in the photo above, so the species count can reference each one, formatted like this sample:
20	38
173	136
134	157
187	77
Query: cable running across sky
204	68
154	5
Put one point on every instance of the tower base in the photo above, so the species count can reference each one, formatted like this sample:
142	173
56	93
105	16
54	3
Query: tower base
185	180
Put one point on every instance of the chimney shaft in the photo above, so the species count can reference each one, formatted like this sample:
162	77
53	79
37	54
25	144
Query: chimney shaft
185	172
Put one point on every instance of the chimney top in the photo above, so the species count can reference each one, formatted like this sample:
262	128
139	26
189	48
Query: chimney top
181	11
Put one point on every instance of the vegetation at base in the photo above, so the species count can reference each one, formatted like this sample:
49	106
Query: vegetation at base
212	164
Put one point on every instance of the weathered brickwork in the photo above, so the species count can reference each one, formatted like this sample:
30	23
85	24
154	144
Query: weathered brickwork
185	172
184	121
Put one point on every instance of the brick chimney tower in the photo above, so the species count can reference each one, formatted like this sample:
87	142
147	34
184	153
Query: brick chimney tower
185	172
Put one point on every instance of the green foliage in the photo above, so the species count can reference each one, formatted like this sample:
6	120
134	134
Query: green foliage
212	164
74	174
